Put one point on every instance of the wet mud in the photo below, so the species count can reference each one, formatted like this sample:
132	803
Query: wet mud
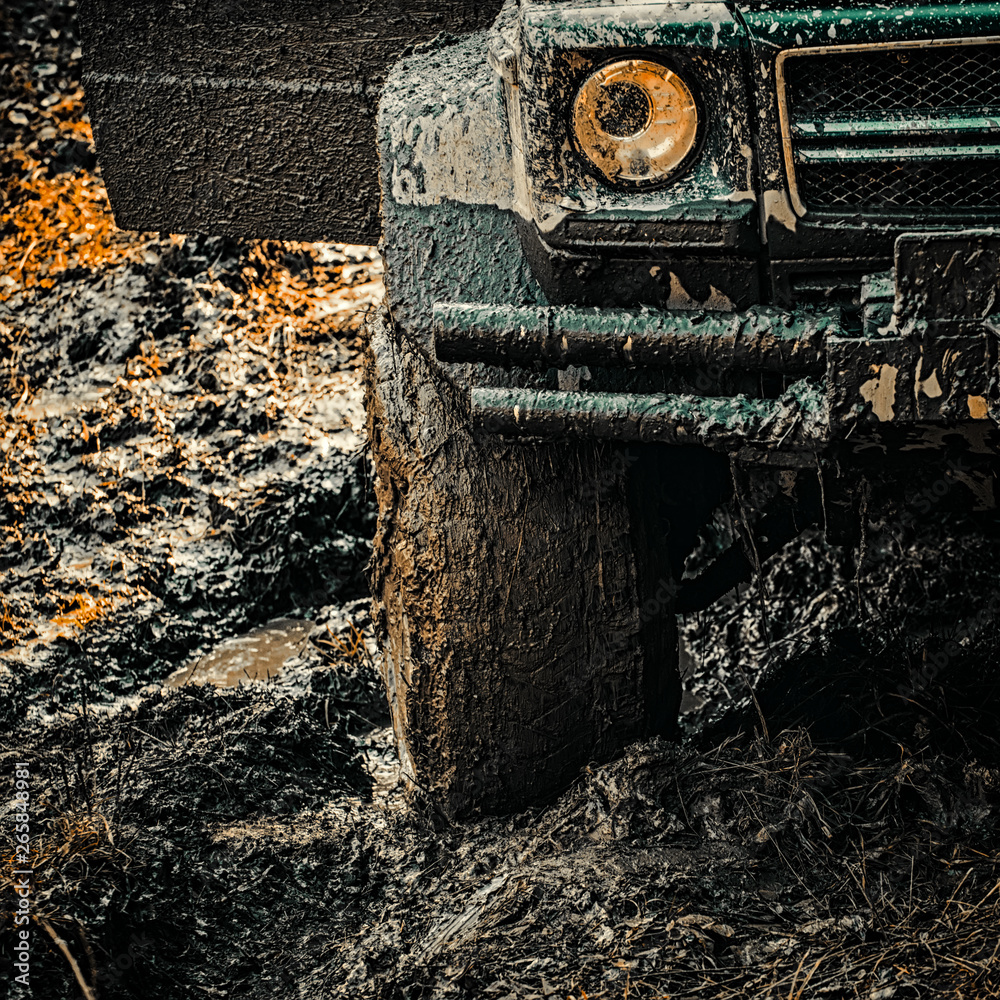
188	666
181	449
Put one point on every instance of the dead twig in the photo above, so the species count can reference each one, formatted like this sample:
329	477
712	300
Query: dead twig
88	992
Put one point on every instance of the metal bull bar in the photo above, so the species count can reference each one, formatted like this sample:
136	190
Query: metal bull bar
926	354
762	339
794	422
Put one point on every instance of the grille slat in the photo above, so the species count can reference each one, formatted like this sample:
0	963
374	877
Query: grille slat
958	186
901	127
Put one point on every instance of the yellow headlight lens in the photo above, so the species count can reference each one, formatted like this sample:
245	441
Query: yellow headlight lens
636	121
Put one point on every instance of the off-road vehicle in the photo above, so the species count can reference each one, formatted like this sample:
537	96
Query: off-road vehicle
642	260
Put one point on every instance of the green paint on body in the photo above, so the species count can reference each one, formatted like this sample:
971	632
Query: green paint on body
782	25
437	247
452	253
598	23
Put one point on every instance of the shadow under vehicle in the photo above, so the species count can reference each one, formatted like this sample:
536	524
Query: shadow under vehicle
643	260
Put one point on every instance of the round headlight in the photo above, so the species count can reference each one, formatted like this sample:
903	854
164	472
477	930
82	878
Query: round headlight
636	121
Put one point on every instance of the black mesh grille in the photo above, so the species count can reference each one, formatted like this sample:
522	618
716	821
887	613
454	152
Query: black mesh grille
964	185
935	79
878	84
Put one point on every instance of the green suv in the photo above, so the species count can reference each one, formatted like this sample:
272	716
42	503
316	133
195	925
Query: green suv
644	261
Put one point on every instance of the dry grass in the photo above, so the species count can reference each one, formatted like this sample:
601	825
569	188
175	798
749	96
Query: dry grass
82	609
887	873
351	648
54	223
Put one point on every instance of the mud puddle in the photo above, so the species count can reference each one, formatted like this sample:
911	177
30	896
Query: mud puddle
257	656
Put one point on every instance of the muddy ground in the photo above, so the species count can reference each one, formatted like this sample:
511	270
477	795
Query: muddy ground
183	462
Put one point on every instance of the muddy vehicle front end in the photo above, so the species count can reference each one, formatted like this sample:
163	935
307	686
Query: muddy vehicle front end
645	262
778	220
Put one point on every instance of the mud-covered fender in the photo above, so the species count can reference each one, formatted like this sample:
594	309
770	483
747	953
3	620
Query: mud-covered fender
450	233
250	118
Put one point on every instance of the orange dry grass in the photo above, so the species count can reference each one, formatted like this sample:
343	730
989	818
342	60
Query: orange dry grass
13	627
82	609
51	224
303	291
60	223
353	648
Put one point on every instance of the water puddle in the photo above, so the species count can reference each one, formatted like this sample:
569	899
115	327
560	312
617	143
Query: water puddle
46	405
257	656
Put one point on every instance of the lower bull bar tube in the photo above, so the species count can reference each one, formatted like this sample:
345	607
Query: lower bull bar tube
795	422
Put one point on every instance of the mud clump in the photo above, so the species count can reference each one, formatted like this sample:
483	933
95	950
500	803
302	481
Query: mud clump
895	645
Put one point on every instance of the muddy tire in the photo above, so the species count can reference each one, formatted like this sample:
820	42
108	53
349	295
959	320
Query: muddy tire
504	592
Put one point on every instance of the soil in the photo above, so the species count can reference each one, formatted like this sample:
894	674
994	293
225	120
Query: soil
187	497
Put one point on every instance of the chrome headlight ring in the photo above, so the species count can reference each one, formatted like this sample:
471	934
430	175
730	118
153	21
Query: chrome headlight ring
636	122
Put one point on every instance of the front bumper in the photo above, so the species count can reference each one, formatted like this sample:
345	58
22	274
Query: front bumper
922	356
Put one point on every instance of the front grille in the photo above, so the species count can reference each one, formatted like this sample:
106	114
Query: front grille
887	128
903	79
955	186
